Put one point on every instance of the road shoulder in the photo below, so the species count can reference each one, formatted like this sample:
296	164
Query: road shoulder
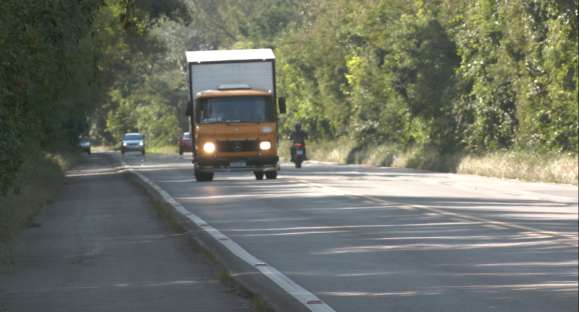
101	247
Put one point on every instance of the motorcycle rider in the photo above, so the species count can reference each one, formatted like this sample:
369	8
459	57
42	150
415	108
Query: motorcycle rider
298	136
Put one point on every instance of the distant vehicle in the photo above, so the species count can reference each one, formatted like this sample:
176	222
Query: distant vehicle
84	144
233	112
185	143
133	141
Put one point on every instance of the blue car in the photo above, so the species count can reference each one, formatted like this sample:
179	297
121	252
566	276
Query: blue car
133	142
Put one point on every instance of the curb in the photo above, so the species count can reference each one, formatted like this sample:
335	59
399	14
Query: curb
246	271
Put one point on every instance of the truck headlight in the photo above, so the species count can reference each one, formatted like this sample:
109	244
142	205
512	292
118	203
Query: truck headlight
265	145
209	147
124	143
141	143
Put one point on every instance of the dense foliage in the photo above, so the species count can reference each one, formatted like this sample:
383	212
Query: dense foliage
450	74
62	65
453	75
480	75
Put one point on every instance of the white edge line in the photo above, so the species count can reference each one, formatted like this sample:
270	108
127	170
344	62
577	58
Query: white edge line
308	299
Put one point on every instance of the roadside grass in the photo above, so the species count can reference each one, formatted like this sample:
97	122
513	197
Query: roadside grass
323	151
103	148
522	165
163	149
153	149
548	167
41	179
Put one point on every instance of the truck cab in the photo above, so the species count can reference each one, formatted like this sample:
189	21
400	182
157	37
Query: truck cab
233	112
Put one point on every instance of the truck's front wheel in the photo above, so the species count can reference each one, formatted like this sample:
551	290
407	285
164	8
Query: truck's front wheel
258	175
203	176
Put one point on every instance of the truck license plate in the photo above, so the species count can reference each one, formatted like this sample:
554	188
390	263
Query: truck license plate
238	164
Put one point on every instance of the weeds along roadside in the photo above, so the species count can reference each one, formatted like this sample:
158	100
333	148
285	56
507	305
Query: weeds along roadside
39	182
549	167
522	165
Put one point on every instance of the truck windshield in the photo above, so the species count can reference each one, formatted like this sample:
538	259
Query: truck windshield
235	109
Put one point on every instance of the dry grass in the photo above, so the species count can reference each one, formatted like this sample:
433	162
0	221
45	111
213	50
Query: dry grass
102	148
528	166
556	168
325	151
165	149
338	151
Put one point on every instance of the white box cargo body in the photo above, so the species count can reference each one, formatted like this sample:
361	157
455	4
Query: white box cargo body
210	69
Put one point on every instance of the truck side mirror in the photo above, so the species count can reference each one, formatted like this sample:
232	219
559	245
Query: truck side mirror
189	110
281	103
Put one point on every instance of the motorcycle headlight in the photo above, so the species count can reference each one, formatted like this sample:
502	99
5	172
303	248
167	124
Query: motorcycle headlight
264	145
209	147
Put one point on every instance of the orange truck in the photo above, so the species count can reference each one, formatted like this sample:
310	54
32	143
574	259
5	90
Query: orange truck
233	112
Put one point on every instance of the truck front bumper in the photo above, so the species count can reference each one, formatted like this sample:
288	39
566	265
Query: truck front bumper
241	164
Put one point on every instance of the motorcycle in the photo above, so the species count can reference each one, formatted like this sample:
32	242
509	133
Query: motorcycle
299	154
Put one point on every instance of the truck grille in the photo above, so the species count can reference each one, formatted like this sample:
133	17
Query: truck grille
236	146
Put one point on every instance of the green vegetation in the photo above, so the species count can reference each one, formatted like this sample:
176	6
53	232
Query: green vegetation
63	65
41	179
450	78
424	84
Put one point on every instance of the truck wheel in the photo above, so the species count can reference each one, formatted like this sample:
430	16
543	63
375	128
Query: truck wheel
271	175
143	152
203	176
258	175
181	151
123	151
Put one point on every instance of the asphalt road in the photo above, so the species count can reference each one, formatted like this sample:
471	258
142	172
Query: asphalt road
101	247
384	239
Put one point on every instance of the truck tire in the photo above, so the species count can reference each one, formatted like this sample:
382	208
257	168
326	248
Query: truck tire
258	175
143	152
203	176
271	175
181	151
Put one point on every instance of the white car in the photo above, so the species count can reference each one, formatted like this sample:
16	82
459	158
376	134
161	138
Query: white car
133	141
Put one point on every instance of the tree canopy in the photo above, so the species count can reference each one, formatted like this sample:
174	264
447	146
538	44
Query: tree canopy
456	75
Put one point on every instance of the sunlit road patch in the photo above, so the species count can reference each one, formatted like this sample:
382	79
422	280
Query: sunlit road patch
380	239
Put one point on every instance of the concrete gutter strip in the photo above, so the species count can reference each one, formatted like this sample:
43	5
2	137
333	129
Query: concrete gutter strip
256	276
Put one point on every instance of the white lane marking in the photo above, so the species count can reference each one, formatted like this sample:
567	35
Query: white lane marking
308	299
527	230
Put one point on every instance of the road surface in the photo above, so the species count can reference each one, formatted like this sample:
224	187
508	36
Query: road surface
382	239
101	247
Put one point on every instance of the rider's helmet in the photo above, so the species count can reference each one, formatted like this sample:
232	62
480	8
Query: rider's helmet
298	126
